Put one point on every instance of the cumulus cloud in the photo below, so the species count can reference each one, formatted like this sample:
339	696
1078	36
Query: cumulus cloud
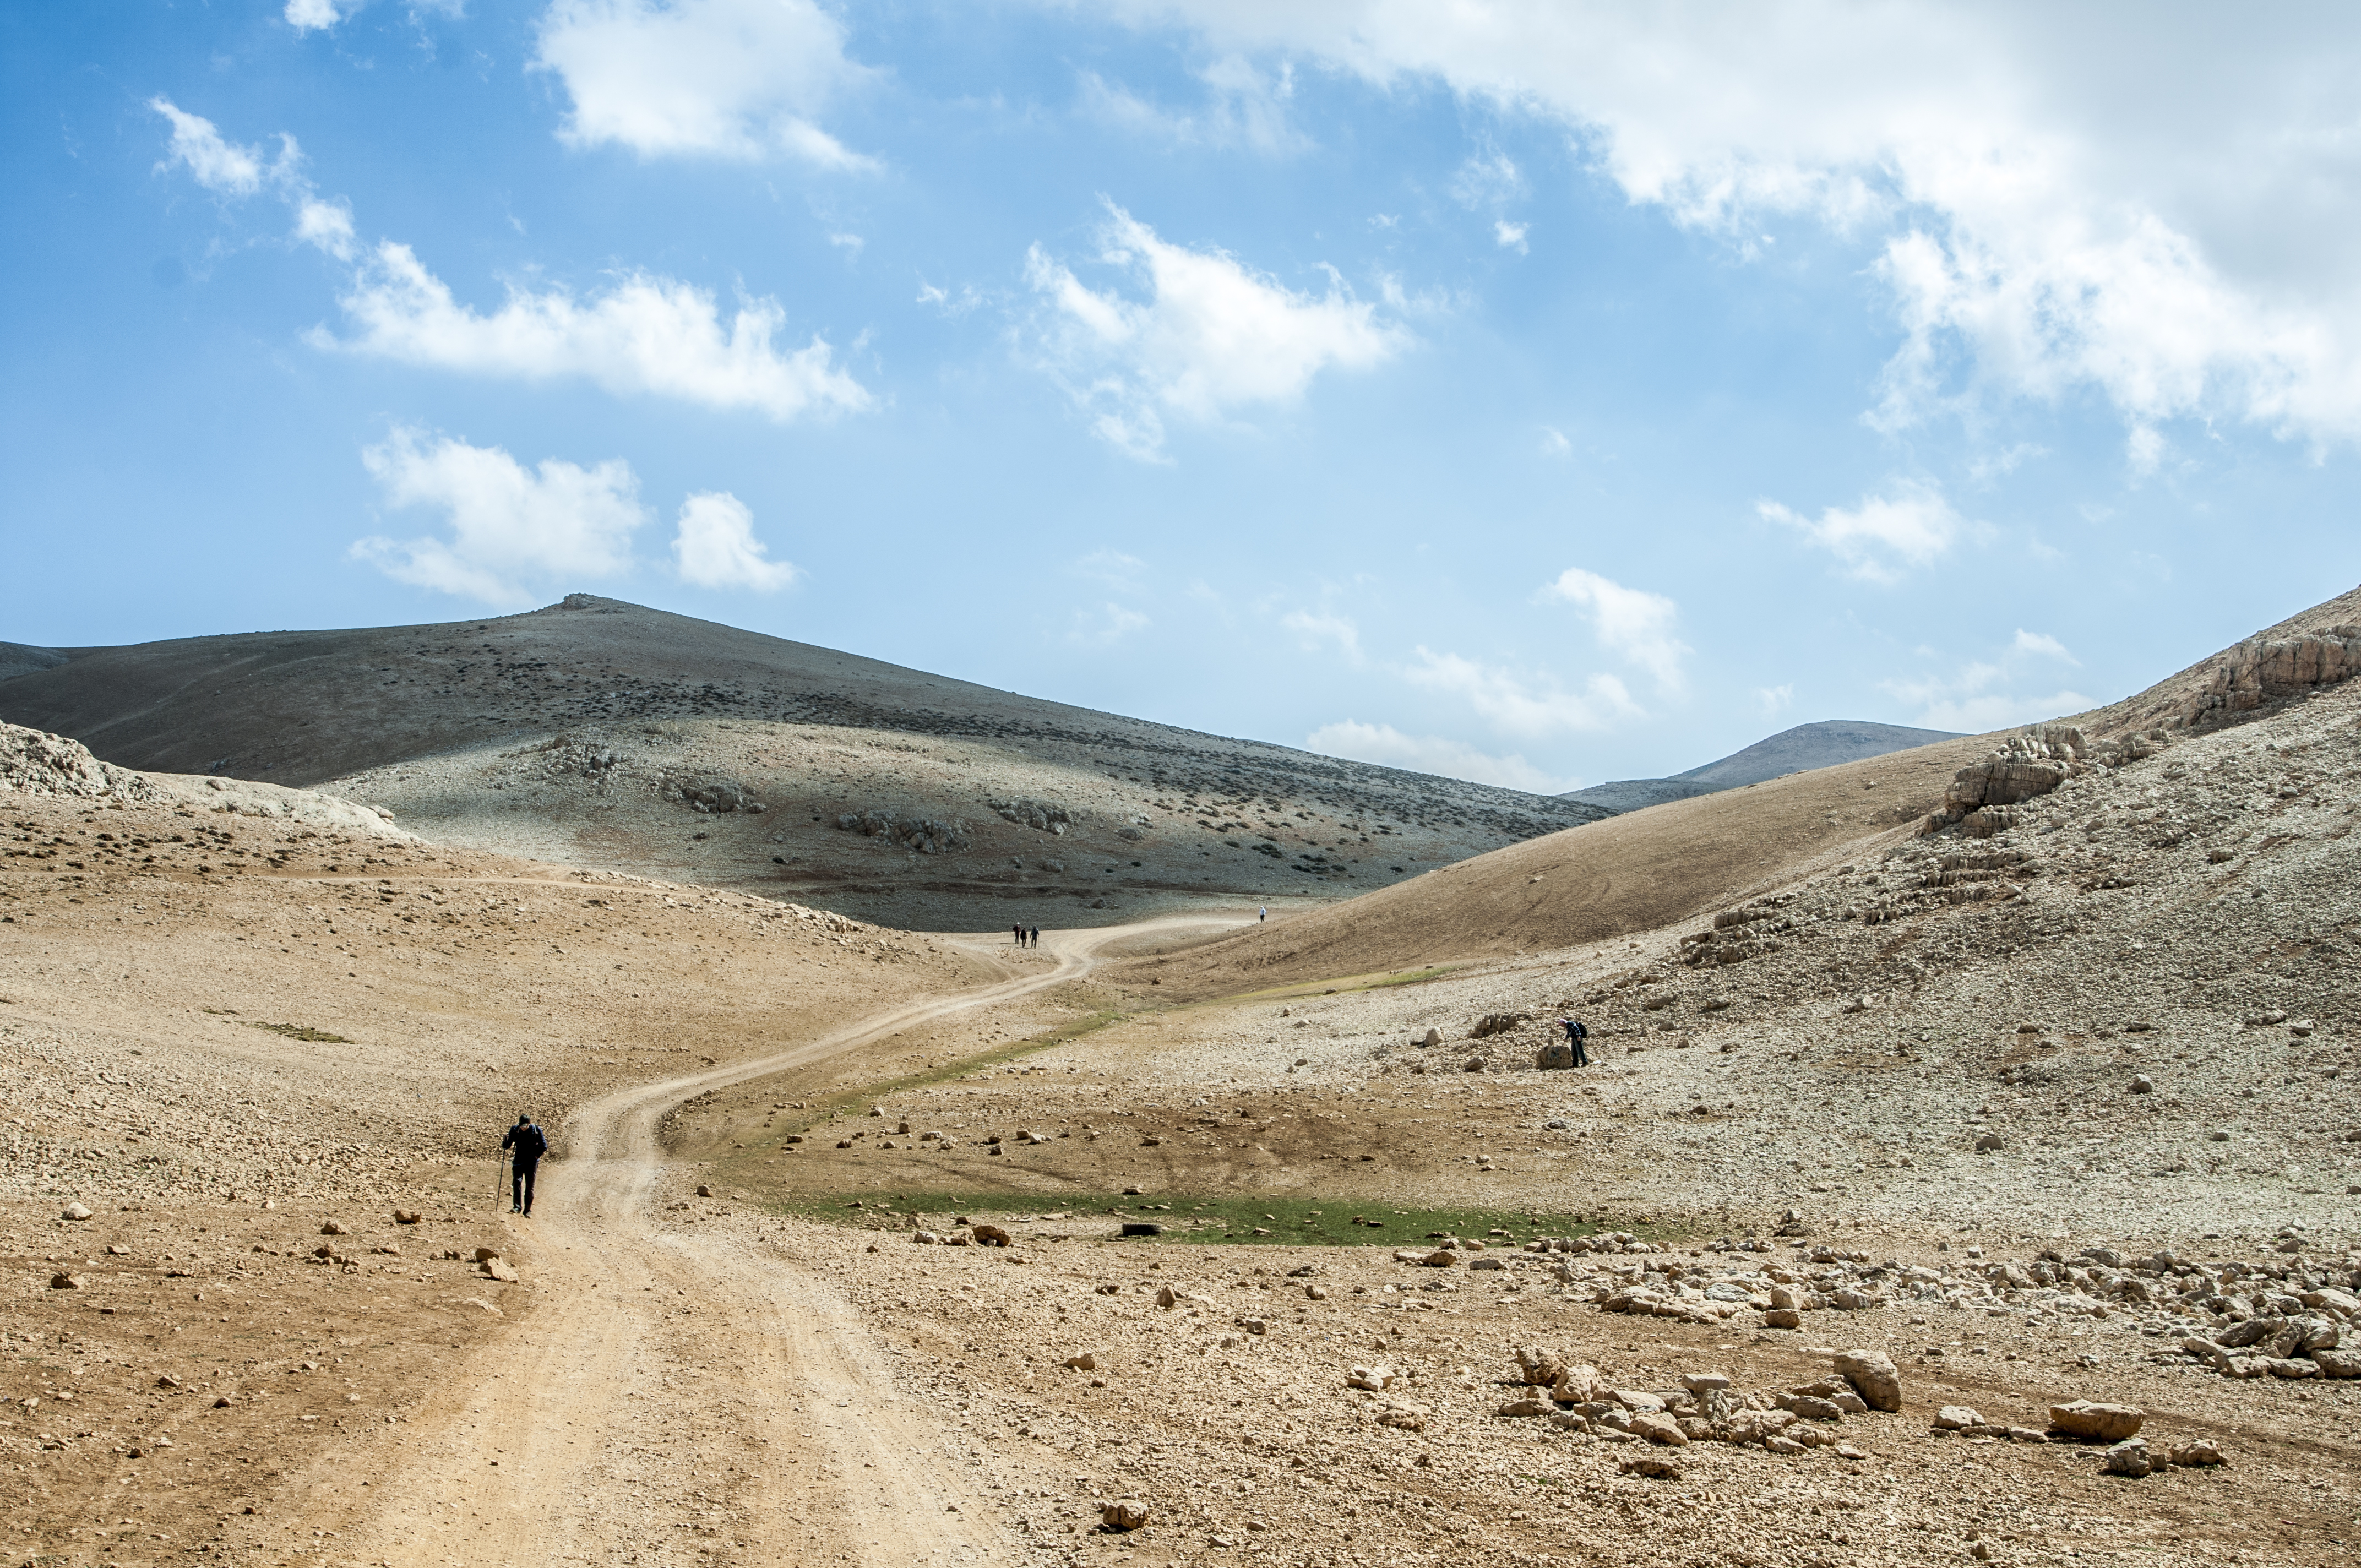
510	528
646	334
1774	700
735	79
1511	236
1529	705
715	546
1316	629
1105	625
310	15
1884	537
1208	337
2046	218
220	165
1389	747
1631	624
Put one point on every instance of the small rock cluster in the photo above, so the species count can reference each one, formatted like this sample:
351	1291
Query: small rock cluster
1705	1407
926	836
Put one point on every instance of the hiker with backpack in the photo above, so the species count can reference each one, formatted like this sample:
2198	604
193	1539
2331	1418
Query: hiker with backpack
525	1143
1576	1032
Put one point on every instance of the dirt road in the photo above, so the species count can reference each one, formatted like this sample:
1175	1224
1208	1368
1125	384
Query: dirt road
676	1401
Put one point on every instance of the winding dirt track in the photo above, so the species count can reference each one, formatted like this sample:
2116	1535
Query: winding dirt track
680	1397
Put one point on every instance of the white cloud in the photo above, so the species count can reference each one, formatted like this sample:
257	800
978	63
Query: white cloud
1631	624
1532	706
306	16
1113	568
715	546
1488	179
737	79
329	225
1511	236
1976	698
1245	106
646	334
2047	218
1554	443
1105	625
219	165
1883	537
1774	700
2043	644
510	528
1389	747
1211	337
1316	629
1989	693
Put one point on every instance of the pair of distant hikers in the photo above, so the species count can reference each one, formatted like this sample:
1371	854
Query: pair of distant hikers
525	1145
1027	936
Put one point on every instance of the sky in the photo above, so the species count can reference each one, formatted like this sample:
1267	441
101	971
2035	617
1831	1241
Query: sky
1538	394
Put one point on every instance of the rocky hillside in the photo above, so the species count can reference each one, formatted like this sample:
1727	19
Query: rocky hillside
603	733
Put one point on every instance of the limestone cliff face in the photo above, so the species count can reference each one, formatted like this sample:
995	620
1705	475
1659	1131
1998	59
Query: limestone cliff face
2260	669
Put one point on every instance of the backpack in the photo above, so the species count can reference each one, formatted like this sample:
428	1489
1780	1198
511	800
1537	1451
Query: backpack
1575	1030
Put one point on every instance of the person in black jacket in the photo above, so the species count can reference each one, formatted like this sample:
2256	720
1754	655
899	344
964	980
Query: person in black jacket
526	1145
1575	1033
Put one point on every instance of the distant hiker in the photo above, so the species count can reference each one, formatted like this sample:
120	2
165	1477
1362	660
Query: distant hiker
1019	930
1262	914
1576	1032
528	1145
1034	939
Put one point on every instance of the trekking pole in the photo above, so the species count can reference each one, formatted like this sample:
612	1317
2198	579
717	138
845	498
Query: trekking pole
499	1177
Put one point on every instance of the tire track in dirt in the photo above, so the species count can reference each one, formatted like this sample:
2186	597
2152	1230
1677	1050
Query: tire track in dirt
669	1390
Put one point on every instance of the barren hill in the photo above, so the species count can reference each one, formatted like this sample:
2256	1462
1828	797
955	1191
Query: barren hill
604	733
1686	857
1806	746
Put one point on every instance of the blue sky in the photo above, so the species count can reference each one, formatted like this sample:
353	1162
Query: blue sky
1534	394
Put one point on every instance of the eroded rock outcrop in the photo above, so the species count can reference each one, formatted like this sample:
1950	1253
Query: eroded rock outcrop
2259	669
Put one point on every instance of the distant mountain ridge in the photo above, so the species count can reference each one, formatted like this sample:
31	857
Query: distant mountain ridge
1806	746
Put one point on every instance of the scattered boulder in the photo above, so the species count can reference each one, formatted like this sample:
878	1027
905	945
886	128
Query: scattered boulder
1658	1428
1873	1375
1167	1297
1957	1417
1555	1057
75	1211
334	1228
1083	1361
65	1281
1657	1468
1124	1516
991	1236
2091	1423
1375	1379
2143	1084
407	1216
1497	1024
2129	1457
2197	1453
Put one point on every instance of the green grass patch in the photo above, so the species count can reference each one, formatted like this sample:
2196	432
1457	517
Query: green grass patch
834	1107
1230	1220
299	1032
